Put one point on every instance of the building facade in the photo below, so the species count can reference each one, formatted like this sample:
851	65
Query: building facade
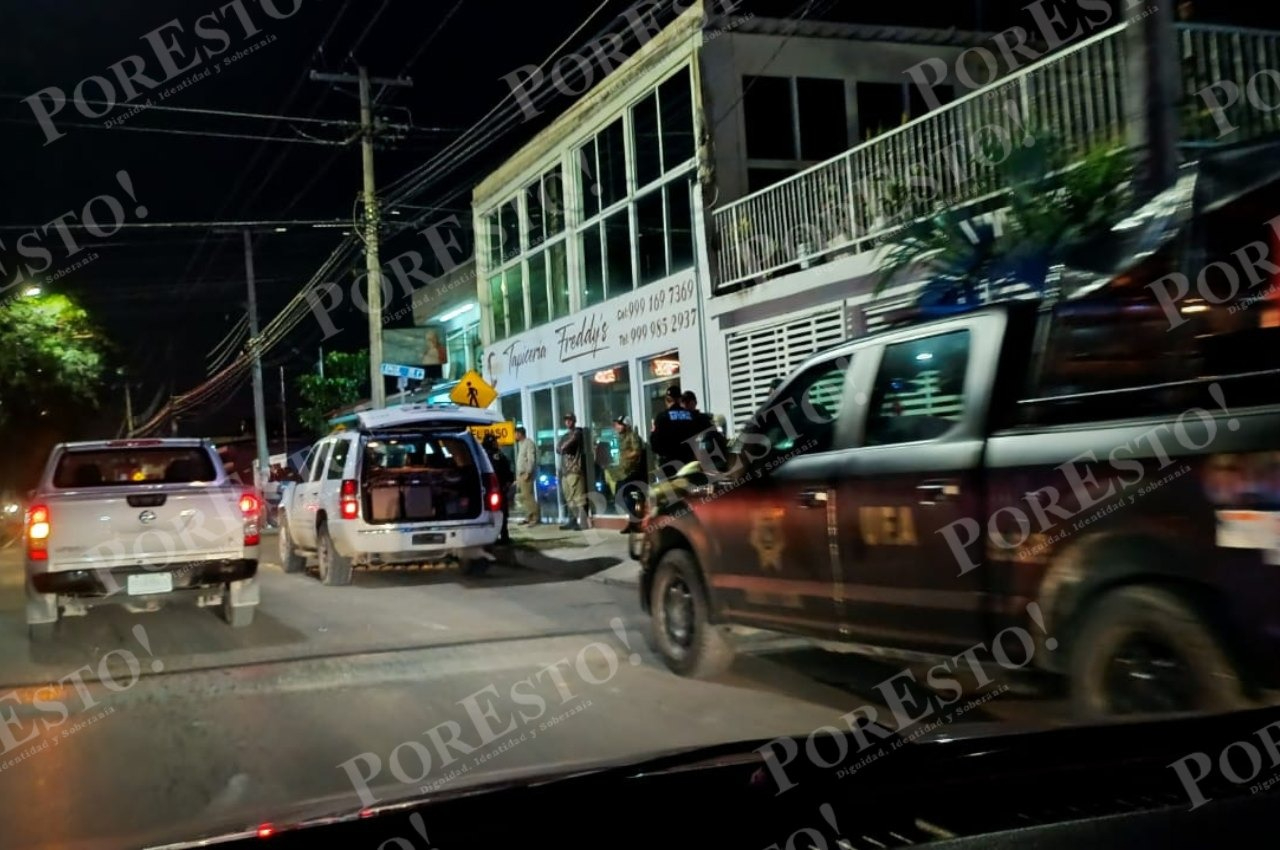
594	276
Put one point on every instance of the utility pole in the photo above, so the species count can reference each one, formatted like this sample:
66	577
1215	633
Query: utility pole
373	265
128	410
255	346
284	418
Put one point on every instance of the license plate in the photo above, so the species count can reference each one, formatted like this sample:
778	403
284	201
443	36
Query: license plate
148	583
428	539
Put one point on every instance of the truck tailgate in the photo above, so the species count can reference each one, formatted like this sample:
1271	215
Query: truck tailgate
131	526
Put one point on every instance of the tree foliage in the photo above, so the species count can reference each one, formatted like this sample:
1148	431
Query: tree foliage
345	382
1055	203
50	355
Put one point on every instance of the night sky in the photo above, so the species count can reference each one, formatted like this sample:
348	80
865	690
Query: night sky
166	299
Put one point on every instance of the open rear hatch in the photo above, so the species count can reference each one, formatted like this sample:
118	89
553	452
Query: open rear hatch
420	474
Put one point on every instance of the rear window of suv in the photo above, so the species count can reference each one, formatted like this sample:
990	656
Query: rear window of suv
419	451
123	466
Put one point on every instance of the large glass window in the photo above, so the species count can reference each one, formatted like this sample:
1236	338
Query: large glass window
592	260
624	238
514	285
498	307
539	304
608	395
558	279
617	240
647	139
675	97
657	373
792	122
651	243
540	222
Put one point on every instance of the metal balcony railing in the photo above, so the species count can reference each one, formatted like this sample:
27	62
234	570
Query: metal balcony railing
853	202
1232	83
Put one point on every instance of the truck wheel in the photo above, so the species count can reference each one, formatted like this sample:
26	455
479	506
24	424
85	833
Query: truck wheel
290	560
335	570
236	617
1142	650
680	618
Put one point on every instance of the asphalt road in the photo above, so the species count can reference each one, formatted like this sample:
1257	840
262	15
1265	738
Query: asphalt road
160	725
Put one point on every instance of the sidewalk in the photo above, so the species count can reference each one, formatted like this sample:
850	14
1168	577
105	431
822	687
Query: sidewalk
598	554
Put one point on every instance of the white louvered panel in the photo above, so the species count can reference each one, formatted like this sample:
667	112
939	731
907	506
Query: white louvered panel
760	357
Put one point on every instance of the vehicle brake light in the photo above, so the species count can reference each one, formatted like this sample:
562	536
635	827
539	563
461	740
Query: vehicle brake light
493	493
251	509
39	526
349	503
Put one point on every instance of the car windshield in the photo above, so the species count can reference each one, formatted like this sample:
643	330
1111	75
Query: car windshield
400	396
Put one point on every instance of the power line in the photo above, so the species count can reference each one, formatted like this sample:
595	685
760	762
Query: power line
351	53
228	113
169	131
281	226
295	311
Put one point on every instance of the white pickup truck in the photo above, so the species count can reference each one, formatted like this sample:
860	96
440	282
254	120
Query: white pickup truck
136	521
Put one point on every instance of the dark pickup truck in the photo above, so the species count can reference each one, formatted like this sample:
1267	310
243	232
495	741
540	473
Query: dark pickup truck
1081	470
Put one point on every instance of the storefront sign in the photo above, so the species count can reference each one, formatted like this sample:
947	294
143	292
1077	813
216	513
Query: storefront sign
658	317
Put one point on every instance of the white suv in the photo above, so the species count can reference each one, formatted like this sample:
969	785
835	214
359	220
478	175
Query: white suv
411	485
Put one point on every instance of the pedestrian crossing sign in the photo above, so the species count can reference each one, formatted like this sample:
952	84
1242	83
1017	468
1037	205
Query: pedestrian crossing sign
473	391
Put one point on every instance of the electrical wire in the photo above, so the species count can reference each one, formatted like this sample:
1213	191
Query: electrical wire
169	131
228	113
295	311
476	128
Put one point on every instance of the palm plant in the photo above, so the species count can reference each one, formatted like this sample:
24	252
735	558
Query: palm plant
1054	204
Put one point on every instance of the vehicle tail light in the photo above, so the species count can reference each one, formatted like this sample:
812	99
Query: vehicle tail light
493	492
251	510
38	529
349	502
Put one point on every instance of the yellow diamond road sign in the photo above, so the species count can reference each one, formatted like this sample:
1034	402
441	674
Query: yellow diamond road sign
473	391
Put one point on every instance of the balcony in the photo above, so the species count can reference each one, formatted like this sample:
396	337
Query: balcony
856	201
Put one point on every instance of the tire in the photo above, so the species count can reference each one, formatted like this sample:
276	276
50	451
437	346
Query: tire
335	570
475	567
1143	651
237	617
682	632
290	560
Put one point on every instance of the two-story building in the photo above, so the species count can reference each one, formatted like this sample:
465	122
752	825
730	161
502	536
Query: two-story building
593	259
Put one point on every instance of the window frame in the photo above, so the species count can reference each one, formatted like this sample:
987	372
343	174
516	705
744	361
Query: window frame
577	220
971	403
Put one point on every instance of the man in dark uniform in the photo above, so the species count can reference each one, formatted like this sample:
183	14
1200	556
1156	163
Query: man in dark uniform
501	468
711	441
673	431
